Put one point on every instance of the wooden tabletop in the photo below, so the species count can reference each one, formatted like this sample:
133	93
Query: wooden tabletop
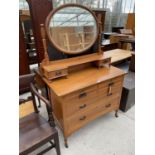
82	79
118	55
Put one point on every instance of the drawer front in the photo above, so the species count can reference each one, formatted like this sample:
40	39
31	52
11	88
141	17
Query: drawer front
110	90
111	81
77	104
57	73
80	119
110	87
80	94
79	100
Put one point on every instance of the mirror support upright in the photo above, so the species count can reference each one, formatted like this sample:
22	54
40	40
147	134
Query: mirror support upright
43	35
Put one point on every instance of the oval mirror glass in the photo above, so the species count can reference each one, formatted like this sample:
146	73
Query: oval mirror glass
72	29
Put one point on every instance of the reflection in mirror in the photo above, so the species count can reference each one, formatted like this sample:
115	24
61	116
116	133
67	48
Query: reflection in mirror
73	29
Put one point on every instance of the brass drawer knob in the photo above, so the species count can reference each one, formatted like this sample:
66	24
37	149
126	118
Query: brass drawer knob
83	94
82	118
82	106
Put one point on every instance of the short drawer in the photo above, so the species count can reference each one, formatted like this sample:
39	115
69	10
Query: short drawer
80	119
57	73
110	90
110	87
81	94
112	82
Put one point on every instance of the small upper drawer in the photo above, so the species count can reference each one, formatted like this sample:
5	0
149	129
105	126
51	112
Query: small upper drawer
57	73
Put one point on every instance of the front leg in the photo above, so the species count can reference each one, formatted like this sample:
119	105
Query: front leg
116	113
66	143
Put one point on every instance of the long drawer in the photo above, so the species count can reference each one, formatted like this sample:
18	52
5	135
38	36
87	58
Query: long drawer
80	119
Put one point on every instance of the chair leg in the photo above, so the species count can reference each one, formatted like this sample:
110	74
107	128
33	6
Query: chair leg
39	100
57	146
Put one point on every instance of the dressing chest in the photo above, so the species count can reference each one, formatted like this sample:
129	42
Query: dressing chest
84	96
81	88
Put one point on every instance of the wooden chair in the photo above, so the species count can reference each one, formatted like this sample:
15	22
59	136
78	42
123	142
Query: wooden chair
34	130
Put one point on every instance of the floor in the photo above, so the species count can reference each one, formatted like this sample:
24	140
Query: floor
106	135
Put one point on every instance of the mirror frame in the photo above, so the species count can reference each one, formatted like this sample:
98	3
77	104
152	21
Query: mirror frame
47	22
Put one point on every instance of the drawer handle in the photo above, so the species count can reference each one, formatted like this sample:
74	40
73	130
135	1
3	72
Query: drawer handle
82	95
82	106
82	118
110	88
58	73
108	105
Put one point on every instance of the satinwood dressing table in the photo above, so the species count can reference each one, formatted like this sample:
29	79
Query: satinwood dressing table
83	87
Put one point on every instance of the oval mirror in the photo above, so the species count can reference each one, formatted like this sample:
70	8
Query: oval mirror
72	28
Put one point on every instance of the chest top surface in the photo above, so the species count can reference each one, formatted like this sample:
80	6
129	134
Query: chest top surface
82	79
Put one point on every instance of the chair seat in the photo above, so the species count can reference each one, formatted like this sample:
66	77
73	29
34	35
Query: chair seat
34	131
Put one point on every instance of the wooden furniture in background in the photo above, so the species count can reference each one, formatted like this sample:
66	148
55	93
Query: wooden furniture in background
23	59
117	29
131	22
126	31
39	9
128	41
115	38
34	130
110	46
118	55
28	36
124	40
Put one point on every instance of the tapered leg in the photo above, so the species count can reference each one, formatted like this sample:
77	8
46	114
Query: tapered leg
57	146
66	143
116	113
